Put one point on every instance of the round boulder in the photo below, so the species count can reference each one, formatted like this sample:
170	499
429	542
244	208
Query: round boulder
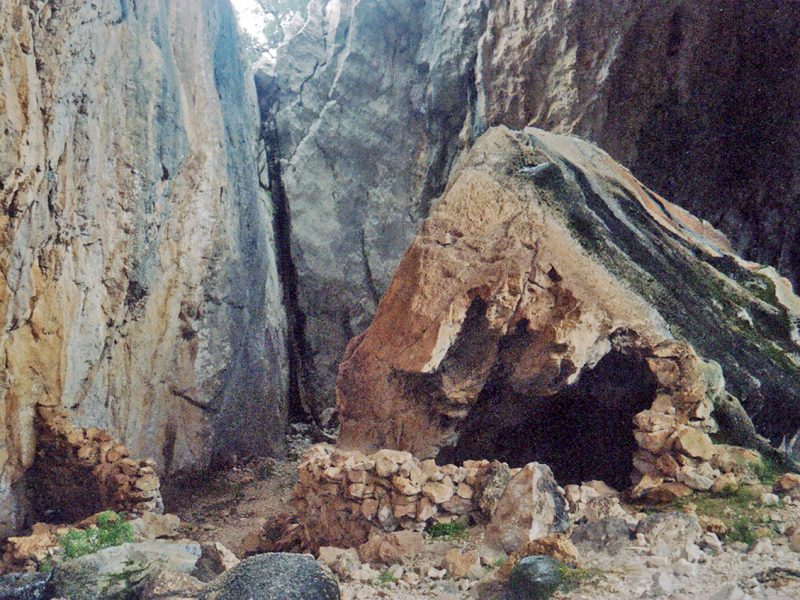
535	578
275	576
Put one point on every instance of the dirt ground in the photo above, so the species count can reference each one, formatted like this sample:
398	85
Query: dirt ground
228	504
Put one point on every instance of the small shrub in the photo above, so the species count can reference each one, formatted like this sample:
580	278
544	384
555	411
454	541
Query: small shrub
495	564
741	531
111	530
767	470
384	579
455	530
573	577
46	566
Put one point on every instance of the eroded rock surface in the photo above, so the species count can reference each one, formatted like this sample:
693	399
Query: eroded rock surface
373	101
550	298
366	107
138	287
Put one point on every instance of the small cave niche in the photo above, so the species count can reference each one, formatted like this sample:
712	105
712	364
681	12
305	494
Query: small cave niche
58	488
583	431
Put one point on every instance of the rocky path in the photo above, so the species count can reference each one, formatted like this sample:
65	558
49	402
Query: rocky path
228	505
657	555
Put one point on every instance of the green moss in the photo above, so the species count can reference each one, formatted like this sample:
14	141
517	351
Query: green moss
455	530
111	530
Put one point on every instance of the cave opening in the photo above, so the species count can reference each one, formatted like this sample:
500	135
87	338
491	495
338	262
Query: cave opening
59	489
583	431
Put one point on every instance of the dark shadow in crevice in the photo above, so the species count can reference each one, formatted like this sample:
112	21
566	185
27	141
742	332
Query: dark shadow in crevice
583	432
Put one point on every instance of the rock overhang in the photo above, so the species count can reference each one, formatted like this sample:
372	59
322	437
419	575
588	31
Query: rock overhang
546	235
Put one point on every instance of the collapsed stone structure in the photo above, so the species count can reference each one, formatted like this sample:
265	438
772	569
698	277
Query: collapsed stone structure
80	471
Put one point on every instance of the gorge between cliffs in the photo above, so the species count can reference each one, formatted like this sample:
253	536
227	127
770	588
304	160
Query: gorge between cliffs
456	296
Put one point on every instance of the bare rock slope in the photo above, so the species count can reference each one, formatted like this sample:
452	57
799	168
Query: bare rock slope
550	298
138	288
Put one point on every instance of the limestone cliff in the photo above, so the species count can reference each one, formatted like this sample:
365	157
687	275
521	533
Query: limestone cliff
550	298
138	287
373	101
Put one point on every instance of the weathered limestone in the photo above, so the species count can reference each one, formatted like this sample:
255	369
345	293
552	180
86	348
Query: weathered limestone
138	287
550	299
368	125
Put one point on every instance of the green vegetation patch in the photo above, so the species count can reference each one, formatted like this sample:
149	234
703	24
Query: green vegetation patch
111	530
739	509
573	577
767	470
741	530
455	530
385	579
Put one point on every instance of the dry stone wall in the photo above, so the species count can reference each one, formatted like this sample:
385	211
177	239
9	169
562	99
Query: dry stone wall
81	471
343	498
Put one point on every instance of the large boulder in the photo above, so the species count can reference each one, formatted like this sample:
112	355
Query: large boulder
121	572
532	507
549	299
276	576
374	101
535	578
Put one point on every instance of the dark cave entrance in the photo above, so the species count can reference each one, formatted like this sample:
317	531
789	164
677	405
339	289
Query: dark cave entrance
59	488
583	432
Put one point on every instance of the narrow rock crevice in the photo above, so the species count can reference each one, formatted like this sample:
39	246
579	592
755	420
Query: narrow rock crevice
282	224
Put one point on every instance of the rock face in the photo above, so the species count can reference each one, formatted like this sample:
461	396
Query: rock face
372	101
366	109
548	300
138	287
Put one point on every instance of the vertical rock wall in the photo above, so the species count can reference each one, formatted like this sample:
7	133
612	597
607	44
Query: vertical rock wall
374	100
368	101
138	287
